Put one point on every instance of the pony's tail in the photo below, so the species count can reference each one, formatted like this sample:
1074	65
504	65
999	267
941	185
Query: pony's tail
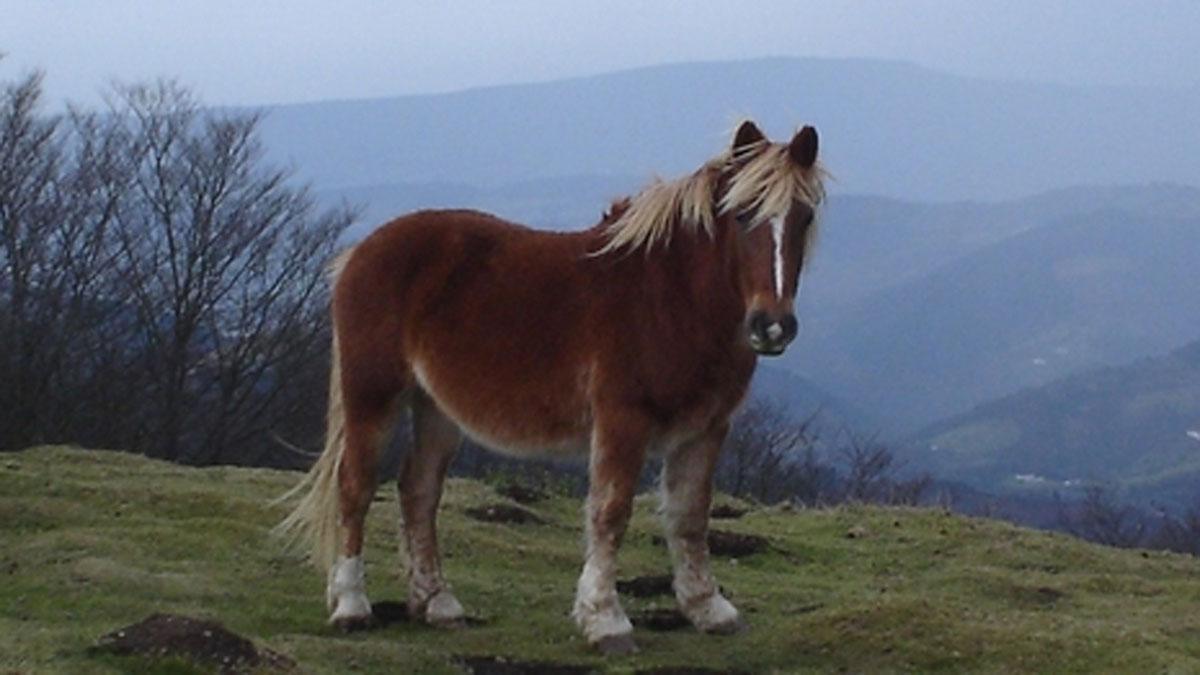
316	520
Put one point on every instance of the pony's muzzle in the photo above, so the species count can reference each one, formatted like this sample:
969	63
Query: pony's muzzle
770	335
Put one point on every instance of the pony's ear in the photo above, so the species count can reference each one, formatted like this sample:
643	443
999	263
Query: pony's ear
747	135
803	148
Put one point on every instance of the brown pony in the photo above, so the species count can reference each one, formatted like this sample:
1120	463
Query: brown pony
636	336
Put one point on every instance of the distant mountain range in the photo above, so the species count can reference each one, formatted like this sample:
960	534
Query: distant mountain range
562	203
969	321
802	400
1136	427
887	128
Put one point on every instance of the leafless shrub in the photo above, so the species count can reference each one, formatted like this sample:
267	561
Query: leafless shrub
1099	517
61	181
221	260
768	457
1178	533
872	474
163	288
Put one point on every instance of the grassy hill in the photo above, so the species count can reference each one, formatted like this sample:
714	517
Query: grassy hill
93	541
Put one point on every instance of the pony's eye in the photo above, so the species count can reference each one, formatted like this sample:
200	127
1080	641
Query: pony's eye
745	218
807	216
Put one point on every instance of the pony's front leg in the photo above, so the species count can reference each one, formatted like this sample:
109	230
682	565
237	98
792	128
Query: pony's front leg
686	497
618	452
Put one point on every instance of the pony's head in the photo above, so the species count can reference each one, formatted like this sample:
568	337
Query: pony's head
766	195
770	193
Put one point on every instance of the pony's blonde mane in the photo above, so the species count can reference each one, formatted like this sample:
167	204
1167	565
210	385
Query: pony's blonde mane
766	182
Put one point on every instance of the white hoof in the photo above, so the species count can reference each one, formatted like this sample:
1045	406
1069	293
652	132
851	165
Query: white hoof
609	624
443	609
345	594
353	611
713	614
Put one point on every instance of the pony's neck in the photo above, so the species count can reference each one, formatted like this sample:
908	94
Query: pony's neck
698	270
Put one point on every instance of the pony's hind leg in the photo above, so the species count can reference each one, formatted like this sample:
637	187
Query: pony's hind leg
368	426
618	452
686	497
436	440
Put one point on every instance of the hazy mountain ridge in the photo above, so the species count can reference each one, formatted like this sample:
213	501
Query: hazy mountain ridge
868	243
1050	300
887	128
1137	426
562	203
801	399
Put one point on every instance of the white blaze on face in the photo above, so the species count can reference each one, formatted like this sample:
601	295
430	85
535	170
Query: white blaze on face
777	225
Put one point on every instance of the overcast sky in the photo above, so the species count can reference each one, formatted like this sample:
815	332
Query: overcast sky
269	51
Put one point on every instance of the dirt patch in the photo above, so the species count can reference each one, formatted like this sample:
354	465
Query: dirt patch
504	513
659	619
734	544
390	612
521	494
726	512
499	665
647	586
207	642
1040	597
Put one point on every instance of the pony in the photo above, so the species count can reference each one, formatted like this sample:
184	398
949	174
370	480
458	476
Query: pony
637	336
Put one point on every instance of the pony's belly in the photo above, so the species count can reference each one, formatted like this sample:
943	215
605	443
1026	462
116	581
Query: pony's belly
540	448
541	423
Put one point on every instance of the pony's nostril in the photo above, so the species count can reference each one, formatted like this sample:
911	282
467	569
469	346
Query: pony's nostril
790	326
758	324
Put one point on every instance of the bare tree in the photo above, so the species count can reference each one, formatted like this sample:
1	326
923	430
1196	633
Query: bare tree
813	482
29	165
1099	517
868	465
162	287
1178	533
768	456
61	180
221	262
872	474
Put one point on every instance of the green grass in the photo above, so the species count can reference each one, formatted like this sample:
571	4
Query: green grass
92	541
